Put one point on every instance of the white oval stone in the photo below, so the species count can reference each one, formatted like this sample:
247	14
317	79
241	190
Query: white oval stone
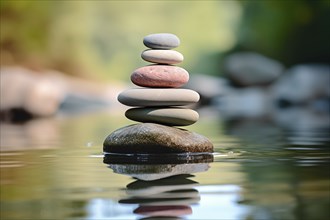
162	56
158	97
165	116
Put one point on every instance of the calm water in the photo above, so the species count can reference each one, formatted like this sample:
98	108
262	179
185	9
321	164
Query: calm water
53	169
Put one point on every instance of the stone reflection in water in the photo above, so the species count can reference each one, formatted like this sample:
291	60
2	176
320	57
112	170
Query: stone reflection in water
149	167
154	172
292	126
161	218
165	197
163	188
34	134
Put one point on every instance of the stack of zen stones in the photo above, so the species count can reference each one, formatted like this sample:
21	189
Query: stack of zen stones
159	103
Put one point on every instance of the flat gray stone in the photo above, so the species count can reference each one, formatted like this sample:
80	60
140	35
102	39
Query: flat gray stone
161	41
155	138
162	56
158	97
165	116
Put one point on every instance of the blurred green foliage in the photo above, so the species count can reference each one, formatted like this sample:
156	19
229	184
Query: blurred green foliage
103	39
292	32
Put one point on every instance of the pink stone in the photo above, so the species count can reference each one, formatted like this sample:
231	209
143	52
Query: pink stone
160	76
163	210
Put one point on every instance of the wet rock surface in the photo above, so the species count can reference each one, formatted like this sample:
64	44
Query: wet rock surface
155	138
250	69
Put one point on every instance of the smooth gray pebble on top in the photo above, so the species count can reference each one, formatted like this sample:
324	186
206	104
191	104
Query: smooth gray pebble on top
161	41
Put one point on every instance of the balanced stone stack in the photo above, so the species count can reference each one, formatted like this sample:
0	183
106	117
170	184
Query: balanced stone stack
156	102
159	104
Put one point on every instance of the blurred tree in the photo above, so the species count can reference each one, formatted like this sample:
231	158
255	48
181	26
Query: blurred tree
290	31
24	28
103	39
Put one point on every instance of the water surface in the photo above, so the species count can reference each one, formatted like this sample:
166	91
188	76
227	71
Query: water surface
53	169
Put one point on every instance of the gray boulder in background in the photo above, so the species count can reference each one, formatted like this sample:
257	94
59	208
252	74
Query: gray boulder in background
207	86
250	69
302	84
243	102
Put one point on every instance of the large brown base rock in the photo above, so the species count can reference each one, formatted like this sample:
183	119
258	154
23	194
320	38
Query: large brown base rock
155	138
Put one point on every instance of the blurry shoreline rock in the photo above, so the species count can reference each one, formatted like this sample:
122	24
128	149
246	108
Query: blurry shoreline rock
302	84
254	85
296	103
208	87
251	69
244	102
27	94
296	98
